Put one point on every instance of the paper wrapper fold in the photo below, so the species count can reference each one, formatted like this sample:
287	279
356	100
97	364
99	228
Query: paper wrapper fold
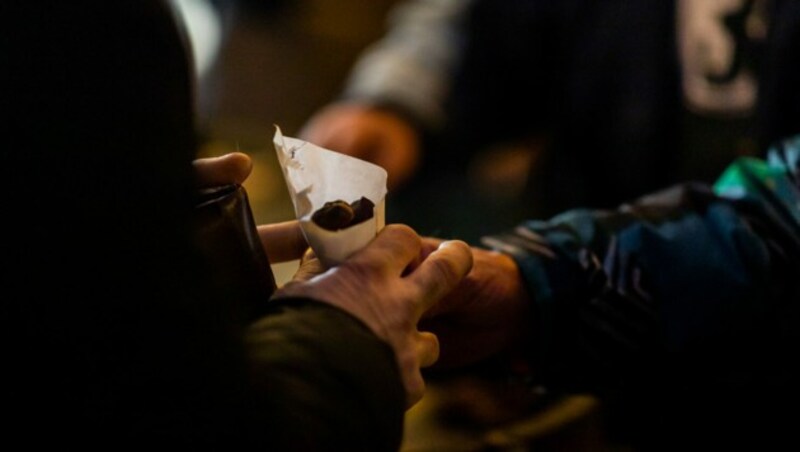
315	176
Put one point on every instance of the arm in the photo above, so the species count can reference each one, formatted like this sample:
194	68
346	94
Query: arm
410	67
334	358
322	379
679	310
396	90
340	371
676	275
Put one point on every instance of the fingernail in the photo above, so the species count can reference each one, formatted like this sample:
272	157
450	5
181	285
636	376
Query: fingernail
446	244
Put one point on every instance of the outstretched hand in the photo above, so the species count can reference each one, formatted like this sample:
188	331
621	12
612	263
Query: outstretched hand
376	135
488	313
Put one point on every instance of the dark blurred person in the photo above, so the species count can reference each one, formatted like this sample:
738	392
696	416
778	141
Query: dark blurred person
603	100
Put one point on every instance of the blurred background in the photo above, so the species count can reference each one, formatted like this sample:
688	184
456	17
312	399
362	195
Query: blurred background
263	63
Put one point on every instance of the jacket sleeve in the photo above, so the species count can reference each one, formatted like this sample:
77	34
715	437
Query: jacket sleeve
694	287
409	69
322	381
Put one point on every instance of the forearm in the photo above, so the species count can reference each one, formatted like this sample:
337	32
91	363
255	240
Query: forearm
410	67
656	287
322	381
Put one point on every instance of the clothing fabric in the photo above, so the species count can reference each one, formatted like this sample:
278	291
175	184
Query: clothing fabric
680	307
114	335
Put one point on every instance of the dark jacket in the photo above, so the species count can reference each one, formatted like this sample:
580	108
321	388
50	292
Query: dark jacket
679	310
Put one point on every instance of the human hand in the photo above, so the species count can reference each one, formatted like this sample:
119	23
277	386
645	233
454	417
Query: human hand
388	285
282	242
375	135
489	312
227	169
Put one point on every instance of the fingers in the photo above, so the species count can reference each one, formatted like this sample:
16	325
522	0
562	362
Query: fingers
283	241
310	266
426	354
415	387
429	245
427	349
441	272
395	247
230	168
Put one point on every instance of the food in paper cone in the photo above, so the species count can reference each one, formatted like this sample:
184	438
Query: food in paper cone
336	215
339	200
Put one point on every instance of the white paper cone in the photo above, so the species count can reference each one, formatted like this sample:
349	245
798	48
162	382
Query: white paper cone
315	176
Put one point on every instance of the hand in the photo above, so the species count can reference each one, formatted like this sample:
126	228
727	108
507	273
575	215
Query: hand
488	312
368	133
282	242
230	168
388	285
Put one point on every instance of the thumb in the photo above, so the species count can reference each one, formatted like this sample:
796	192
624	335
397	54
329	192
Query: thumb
441	272
227	169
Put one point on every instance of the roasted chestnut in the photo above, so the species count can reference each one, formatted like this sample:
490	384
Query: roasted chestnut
336	215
